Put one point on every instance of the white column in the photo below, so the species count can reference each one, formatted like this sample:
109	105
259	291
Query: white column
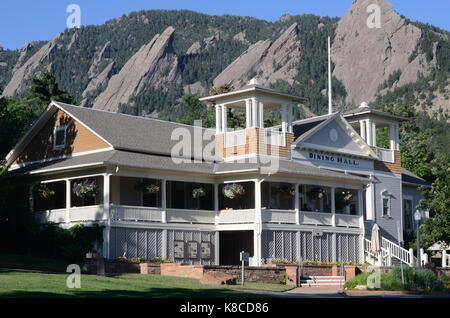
261	114
248	113
224	118
297	205
218	119
370	202
254	112
290	118
396	137
369	132
258	225
392	136
362	129
107	216
217	247
444	259
216	203
360	209
284	119
374	134
164	201
68	200
333	207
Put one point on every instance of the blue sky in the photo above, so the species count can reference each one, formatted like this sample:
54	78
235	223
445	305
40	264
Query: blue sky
28	20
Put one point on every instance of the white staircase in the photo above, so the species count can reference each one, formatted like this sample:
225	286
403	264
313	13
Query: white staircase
322	281
389	252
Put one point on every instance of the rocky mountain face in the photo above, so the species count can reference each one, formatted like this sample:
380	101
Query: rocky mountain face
365	57
153	65
147	60
266	60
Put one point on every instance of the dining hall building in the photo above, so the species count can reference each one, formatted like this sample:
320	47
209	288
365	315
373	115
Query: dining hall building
309	189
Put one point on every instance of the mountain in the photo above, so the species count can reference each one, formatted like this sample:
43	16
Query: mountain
143	62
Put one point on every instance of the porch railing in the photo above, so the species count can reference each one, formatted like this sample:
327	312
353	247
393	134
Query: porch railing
278	216
55	216
236	216
347	220
190	216
135	213
86	213
316	218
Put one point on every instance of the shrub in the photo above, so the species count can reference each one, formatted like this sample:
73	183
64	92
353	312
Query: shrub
69	244
360	279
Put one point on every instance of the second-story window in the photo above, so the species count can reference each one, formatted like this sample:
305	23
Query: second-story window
59	138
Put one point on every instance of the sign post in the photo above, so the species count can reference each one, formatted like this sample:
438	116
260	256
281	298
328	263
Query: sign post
244	257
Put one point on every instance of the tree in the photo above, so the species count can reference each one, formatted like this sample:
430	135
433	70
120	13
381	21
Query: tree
437	202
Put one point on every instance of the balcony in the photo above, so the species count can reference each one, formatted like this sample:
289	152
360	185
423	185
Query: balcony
274	137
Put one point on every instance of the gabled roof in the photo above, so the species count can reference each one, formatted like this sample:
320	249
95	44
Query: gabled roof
309	127
410	178
120	131
364	110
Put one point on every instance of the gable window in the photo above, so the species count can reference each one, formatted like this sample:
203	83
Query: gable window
59	138
386	203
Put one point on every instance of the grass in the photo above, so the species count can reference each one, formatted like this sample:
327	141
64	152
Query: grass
33	283
32	263
15	283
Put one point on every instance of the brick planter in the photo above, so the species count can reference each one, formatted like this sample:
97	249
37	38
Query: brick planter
323	270
264	274
150	268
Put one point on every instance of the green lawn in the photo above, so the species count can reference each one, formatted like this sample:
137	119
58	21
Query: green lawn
31	283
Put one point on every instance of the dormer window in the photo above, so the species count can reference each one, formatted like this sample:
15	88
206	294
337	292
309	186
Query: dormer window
59	138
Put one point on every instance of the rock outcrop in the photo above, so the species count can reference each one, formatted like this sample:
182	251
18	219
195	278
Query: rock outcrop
23	73
266	60
364	57
154	65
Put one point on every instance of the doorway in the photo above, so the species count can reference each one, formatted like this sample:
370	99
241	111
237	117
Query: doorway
232	243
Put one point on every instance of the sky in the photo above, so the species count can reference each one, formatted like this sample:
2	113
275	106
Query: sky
24	21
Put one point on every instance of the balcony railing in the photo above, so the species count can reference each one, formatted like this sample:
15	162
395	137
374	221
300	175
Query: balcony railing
274	137
386	155
235	138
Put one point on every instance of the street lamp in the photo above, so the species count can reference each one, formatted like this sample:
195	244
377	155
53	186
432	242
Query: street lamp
418	217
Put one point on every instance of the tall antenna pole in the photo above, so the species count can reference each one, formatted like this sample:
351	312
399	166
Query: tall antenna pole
330	106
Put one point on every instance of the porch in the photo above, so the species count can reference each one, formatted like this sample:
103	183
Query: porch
123	199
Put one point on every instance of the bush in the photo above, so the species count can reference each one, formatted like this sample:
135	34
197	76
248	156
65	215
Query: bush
423	279
69	244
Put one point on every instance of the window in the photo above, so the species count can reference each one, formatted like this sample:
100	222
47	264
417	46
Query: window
314	198
386	200
59	138
408	213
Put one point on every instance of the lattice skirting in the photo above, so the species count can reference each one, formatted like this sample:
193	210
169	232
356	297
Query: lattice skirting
149	243
328	247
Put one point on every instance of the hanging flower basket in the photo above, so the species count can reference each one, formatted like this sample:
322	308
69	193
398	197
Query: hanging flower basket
342	199
44	192
233	191
288	192
198	193
147	188
85	188
317	194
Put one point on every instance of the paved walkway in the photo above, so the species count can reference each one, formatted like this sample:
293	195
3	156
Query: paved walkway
304	292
